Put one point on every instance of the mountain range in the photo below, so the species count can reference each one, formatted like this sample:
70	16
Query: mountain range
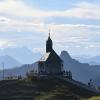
90	60
8	62
81	71
21	60
21	70
23	54
26	56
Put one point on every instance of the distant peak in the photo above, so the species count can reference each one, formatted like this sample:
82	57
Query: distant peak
65	54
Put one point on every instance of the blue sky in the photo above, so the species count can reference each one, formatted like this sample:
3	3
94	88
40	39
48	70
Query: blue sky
74	25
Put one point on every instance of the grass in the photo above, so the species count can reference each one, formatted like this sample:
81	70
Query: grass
40	89
95	98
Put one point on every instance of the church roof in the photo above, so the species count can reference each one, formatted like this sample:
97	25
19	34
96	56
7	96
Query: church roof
50	56
45	56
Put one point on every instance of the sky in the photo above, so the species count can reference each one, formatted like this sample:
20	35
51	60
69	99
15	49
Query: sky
74	25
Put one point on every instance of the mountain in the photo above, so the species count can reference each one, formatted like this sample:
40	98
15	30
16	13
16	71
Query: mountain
90	60
95	59
22	70
81	71
23	54
8	62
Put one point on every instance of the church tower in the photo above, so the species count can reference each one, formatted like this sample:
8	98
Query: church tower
49	44
50	63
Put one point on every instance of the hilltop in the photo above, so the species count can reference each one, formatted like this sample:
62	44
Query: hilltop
41	89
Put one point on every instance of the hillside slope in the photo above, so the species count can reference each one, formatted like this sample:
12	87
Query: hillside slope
41	89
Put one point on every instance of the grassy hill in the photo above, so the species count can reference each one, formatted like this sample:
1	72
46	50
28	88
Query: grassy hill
95	98
40	89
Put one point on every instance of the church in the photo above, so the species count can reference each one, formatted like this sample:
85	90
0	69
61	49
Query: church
50	63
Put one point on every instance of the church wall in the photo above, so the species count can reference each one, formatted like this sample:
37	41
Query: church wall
41	67
49	67
53	67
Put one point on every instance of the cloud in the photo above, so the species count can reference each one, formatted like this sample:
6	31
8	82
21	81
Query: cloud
4	43
84	10
3	19
21	17
80	10
17	17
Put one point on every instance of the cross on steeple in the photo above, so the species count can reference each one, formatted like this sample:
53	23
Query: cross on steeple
49	32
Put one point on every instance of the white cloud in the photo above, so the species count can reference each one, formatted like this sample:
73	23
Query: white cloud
29	18
4	19
3	43
25	18
85	10
19	8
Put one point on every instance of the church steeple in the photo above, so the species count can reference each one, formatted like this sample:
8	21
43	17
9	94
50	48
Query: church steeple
49	44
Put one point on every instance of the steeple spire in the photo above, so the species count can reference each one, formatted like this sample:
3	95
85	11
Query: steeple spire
49	32
49	44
